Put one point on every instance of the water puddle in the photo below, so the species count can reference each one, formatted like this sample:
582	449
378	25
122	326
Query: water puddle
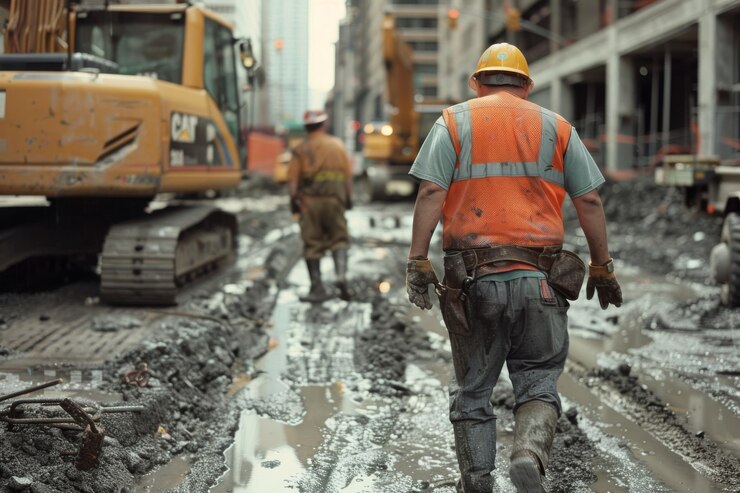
604	336
266	452
315	421
703	415
665	464
164	478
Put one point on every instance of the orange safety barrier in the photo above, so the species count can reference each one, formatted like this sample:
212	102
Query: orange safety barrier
263	152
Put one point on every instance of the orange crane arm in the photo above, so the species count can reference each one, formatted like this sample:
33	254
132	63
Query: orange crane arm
399	65
35	26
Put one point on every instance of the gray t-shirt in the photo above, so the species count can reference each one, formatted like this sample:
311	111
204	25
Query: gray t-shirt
436	163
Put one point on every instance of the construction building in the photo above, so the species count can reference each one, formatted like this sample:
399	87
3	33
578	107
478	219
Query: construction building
639	78
360	91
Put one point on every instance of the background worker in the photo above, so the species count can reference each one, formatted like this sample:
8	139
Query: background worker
496	169
320	184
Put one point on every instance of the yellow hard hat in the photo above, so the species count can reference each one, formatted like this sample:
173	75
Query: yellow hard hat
501	58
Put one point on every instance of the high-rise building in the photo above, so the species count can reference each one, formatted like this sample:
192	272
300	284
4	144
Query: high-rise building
285	52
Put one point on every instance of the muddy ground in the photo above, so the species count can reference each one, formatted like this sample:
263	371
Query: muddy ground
203	352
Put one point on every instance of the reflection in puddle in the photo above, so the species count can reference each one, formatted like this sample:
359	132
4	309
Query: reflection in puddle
703	414
164	478
597	341
664	463
267	453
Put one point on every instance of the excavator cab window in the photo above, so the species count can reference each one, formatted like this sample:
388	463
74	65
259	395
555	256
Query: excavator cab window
220	73
140	43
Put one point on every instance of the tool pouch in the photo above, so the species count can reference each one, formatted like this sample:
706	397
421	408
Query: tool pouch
566	274
452	296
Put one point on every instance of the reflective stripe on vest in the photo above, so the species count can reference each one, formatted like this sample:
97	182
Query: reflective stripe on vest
505	191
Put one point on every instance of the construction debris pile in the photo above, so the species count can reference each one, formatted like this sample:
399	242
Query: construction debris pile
651	227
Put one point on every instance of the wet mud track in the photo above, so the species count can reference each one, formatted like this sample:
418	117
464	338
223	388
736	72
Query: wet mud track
255	391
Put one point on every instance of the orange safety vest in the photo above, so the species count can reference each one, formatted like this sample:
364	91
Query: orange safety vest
508	187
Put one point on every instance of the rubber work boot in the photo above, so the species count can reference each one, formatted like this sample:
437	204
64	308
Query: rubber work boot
340	267
318	293
475	446
533	435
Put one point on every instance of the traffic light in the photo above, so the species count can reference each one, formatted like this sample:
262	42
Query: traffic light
513	19
452	16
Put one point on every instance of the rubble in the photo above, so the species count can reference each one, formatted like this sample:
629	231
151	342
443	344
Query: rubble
187	374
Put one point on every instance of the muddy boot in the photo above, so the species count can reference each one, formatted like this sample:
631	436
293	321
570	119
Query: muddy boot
340	267
533	434
318	293
475	446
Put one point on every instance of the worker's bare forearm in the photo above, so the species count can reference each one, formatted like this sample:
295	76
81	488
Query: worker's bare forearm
593	222
427	212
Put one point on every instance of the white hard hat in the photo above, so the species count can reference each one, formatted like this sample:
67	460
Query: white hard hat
311	117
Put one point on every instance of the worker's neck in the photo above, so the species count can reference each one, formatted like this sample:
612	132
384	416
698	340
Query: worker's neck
491	90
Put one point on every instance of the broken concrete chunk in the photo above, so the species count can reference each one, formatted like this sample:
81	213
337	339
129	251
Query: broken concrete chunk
20	483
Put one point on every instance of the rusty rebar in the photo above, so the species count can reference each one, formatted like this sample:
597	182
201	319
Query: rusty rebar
28	390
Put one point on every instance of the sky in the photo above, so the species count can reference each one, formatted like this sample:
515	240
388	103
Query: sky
323	31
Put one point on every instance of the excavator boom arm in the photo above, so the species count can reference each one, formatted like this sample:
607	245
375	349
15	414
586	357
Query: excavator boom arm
398	57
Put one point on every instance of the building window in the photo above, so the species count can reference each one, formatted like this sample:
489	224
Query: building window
416	22
424	45
426	68
428	91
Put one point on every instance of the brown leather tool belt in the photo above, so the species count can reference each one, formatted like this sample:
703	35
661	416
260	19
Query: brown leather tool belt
540	257
565	270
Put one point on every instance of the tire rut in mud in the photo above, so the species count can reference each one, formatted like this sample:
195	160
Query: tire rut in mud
624	393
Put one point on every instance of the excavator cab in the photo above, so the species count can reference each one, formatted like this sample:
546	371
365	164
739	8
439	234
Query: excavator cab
139	43
145	100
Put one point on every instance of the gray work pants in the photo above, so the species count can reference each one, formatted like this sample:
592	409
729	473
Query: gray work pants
519	322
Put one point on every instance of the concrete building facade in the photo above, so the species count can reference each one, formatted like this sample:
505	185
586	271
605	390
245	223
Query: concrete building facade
638	79
460	47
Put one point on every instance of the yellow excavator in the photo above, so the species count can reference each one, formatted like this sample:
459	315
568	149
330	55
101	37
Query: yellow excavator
391	147
104	107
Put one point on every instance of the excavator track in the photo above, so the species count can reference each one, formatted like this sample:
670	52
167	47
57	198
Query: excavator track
146	261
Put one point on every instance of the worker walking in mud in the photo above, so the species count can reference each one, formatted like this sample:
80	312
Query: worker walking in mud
496	169
320	183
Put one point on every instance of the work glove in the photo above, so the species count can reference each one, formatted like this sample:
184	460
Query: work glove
602	279
295	205
419	275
